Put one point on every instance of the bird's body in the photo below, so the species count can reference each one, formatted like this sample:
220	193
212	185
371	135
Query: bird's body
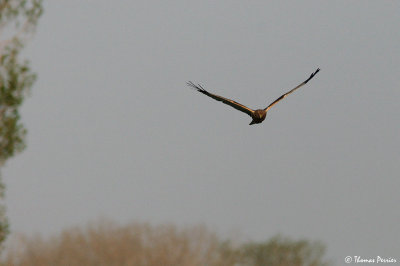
257	115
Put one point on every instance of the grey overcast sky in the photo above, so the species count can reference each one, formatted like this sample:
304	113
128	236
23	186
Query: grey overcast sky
115	132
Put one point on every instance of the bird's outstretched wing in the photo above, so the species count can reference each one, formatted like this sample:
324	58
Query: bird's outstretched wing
289	92
230	102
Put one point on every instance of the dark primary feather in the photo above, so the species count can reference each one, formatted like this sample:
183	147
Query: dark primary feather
292	90
230	102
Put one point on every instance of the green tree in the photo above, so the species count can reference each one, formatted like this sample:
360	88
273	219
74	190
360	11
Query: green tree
283	251
18	20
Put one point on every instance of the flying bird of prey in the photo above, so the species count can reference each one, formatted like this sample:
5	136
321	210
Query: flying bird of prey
257	115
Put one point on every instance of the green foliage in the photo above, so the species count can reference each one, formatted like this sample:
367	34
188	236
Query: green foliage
20	12
15	80
18	18
282	251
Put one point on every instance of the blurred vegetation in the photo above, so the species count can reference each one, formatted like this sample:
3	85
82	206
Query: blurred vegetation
283	251
18	20
142	244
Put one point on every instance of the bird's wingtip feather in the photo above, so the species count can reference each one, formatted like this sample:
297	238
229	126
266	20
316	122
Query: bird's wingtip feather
197	87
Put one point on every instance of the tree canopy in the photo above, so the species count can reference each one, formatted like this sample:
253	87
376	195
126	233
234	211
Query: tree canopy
18	20
108	243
